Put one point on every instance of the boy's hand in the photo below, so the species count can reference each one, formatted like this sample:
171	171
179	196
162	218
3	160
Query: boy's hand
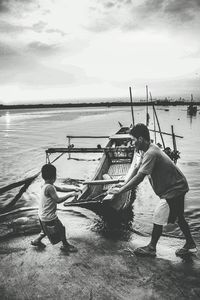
78	189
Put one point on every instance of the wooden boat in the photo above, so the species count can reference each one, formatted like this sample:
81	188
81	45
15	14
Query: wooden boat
191	109
116	160
114	165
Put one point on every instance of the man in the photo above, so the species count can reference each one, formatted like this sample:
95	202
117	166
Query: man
168	183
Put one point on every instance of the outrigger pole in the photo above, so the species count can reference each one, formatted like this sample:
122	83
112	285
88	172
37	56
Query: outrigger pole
154	121
131	105
147	108
159	126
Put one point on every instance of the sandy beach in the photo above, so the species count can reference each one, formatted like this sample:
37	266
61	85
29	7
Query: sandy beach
103	268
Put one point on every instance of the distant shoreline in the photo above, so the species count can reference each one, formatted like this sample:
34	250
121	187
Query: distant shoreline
97	104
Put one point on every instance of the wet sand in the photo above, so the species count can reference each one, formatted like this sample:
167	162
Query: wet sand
103	268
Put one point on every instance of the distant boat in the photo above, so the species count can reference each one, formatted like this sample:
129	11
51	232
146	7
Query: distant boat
192	109
165	109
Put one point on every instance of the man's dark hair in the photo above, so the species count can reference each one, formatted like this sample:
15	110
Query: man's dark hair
140	130
48	172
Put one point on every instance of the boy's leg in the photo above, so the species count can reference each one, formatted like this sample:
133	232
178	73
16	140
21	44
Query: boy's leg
67	247
37	241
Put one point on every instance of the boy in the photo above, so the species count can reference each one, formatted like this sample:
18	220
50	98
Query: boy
51	226
168	183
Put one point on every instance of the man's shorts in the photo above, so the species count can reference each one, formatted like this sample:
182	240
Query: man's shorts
54	230
168	210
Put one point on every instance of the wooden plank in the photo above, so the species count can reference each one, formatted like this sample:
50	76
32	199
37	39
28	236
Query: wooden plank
122	136
88	136
87	150
75	150
106	181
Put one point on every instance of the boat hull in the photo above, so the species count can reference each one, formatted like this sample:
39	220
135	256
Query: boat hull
115	165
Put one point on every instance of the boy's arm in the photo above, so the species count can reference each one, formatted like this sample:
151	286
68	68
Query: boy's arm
52	193
67	189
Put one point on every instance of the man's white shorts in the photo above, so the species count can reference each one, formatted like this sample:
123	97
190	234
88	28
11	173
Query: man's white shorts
161	213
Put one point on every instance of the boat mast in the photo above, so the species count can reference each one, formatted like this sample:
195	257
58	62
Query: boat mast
147	108
131	105
154	121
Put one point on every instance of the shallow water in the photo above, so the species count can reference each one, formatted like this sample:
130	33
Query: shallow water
26	134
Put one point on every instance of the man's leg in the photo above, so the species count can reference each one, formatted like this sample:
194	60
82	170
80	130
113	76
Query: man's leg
159	219
190	243
37	241
177	213
156	234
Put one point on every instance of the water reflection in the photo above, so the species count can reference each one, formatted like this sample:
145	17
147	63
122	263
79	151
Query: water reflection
7	119
22	153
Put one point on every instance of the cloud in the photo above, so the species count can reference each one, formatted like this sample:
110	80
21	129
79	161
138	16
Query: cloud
62	33
40	47
6	50
17	7
9	28
143	14
39	26
3	6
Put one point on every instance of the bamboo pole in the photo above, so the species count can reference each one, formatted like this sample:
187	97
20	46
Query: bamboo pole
88	136
174	142
87	150
166	133
147	108
99	182
159	127
69	144
154	121
131	105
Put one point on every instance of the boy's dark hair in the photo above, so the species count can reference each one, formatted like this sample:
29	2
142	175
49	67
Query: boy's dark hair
140	130
48	172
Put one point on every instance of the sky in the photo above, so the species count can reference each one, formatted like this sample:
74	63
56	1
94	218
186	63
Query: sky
68	50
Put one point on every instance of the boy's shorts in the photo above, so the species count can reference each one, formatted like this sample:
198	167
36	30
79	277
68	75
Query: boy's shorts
54	230
168	210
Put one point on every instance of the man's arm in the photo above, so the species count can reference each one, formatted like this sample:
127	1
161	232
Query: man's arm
136	163
131	184
131	174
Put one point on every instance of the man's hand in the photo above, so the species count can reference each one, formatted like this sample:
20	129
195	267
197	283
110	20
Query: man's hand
113	190
118	185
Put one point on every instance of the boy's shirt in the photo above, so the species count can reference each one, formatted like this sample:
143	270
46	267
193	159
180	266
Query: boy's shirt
47	206
165	177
